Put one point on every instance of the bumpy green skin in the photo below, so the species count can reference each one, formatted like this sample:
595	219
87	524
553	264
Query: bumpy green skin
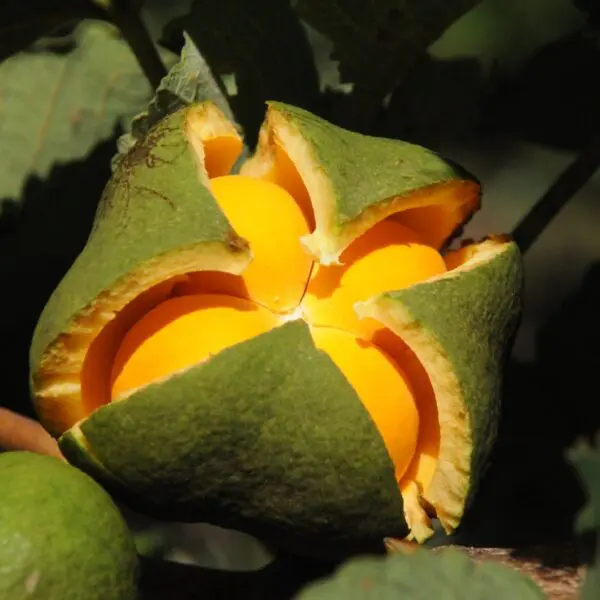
448	575
61	536
365	171
474	318
153	204
267	437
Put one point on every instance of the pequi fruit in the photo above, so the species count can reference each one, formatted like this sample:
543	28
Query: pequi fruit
287	351
62	538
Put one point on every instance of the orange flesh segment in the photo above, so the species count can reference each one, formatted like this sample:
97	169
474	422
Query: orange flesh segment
388	257
220	154
424	464
182	332
272	222
97	367
285	175
381	387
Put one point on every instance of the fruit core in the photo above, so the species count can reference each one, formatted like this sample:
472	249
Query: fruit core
181	324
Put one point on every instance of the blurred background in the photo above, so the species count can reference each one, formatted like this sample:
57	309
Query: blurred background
507	88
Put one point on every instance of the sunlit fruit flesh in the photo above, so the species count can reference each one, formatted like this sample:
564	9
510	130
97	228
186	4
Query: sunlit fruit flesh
209	312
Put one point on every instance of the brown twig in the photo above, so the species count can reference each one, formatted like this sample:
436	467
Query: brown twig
22	433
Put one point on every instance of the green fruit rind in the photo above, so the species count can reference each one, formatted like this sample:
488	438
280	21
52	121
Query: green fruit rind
156	220
61	536
460	325
355	180
267	437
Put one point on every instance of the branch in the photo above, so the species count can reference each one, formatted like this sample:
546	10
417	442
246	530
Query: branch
21	433
568	183
127	19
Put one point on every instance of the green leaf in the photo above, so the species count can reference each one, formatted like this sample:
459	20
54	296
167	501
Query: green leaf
377	46
264	44
56	108
448	575
586	461
23	21
189	80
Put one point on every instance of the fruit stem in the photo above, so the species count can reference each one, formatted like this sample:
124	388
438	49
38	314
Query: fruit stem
126	17
565	186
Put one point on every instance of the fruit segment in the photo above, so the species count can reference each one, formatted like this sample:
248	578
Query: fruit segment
425	459
382	388
272	222
388	257
285	175
182	332
220	153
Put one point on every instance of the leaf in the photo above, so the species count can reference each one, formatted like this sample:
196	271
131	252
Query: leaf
189	80
264	44
23	21
377	46
448	575
586	461
56	108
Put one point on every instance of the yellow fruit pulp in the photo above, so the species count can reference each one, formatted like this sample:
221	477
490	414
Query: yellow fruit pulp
388	257
271	220
209	312
382	388
184	331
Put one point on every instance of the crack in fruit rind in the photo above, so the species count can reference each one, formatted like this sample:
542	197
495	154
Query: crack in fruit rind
282	280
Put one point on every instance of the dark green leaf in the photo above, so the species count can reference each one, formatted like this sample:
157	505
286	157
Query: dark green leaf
586	460
376	45
447	575
264	44
189	80
56	108
23	21
591	584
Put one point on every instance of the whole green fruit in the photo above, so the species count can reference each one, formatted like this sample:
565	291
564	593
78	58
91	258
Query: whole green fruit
61	536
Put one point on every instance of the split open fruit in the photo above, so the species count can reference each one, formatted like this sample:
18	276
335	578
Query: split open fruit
286	351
